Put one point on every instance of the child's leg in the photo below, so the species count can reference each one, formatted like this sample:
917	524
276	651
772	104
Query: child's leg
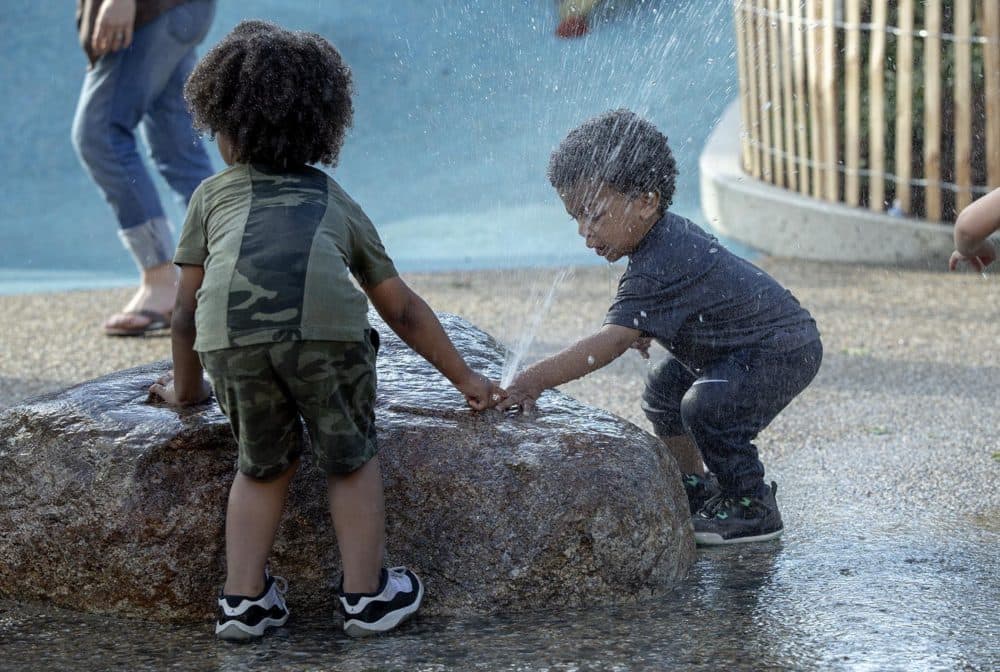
252	518
666	385
734	400
686	454
267	428
357	508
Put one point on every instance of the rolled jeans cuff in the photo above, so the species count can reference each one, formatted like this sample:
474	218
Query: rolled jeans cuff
151	243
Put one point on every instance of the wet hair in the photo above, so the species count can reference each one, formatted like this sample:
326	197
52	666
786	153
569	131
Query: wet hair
282	98
619	149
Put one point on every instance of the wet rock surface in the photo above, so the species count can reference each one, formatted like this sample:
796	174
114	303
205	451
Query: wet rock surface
114	505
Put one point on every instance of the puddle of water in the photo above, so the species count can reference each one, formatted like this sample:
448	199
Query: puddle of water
884	597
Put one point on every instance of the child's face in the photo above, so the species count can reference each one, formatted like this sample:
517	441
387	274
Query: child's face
610	222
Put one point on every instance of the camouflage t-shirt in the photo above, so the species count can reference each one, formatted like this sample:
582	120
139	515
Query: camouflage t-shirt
279	250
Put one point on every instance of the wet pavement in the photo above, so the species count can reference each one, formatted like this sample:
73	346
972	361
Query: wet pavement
867	576
887	468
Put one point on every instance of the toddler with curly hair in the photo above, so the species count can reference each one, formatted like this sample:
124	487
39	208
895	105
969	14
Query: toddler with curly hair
741	347
266	307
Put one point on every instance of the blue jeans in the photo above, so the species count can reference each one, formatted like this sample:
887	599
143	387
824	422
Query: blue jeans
724	406
143	85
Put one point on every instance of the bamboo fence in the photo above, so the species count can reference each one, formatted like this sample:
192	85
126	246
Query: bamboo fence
892	105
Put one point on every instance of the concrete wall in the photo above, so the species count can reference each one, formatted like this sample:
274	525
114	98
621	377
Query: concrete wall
782	223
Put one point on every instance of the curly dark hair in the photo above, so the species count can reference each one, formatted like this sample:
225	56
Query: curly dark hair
620	149
282	98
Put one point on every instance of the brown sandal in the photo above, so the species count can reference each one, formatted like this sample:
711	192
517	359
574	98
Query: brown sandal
157	322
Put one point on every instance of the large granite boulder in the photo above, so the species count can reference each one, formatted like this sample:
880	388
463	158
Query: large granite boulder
112	504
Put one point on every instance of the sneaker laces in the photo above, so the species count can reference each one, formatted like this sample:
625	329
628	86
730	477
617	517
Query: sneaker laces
717	503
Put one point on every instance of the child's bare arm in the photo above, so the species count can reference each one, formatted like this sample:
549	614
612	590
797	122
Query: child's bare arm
579	359
185	385
972	228
413	320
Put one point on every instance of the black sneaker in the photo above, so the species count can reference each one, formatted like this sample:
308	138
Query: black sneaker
241	618
398	598
700	489
730	520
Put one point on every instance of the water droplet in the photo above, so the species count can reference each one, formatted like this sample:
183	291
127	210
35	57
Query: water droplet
642	313
590	360
713	250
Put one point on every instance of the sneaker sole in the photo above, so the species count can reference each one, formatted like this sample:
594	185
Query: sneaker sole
356	628
713	539
235	631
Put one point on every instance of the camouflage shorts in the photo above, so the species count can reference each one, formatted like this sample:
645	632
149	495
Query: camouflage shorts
268	391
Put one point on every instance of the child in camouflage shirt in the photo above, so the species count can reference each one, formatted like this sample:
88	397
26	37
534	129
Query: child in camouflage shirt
266	305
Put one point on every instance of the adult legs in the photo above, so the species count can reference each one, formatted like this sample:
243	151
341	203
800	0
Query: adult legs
117	93
357	507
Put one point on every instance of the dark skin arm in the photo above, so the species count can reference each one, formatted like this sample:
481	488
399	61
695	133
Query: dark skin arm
413	321
972	229
584	356
185	385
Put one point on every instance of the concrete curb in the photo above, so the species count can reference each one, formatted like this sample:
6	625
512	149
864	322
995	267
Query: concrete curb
782	223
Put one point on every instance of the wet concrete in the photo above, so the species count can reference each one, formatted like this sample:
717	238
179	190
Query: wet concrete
863	579
887	468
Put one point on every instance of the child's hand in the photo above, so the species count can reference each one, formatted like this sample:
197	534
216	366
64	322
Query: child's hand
481	392
642	345
165	389
985	255
522	392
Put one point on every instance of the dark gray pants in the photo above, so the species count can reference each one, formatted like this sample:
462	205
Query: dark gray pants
724	406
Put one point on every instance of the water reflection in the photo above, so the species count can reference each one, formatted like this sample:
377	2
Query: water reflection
866	599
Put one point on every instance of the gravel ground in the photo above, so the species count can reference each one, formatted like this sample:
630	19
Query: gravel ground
910	355
887	466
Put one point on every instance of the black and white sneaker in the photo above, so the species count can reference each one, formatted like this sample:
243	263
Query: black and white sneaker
398	598
700	489
242	618
738	520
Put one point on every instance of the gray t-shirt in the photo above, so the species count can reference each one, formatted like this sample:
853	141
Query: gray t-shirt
701	302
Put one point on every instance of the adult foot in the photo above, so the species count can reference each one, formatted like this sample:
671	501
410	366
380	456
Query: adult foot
151	305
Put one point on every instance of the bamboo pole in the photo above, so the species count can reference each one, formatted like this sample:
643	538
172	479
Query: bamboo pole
815	98
764	102
777	107
831	100
991	63
788	98
963	103
876	115
739	18
852	102
801	95
752	101
904	104
932	109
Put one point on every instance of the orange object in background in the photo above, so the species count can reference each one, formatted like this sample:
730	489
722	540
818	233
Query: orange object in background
573	17
572	26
